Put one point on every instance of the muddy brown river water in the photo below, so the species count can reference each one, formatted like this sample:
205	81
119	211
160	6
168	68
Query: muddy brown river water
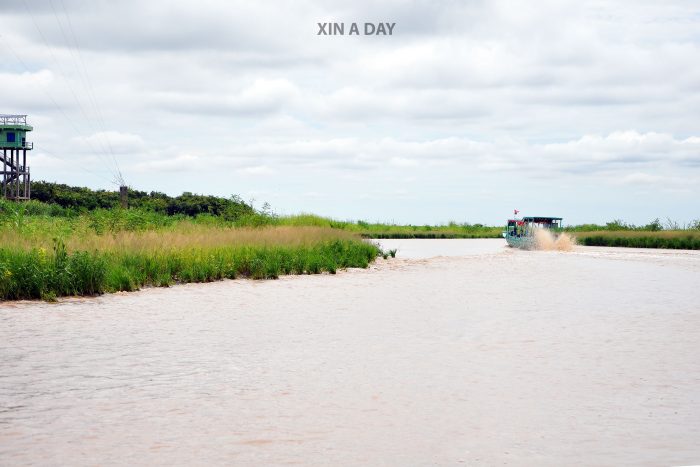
458	352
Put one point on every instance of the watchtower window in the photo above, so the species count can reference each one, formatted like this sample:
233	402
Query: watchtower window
10	136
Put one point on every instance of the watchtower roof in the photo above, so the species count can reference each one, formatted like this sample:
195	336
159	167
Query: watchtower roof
17	122
11	119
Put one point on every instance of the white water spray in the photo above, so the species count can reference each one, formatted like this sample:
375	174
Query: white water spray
545	240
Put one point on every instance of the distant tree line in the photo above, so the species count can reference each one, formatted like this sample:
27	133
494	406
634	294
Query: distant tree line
81	199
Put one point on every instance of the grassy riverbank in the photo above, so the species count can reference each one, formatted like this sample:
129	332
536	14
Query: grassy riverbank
384	230
655	234
47	274
48	251
672	239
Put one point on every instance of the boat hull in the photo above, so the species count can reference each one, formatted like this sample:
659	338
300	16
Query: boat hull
524	242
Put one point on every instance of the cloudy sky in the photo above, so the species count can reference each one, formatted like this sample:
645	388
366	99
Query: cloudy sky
585	109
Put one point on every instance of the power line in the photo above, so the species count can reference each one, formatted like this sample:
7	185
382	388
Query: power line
85	76
104	152
59	67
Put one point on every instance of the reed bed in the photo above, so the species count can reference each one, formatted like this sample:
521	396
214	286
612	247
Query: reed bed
670	239
45	258
189	236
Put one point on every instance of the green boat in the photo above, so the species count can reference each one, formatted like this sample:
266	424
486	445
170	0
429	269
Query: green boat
520	233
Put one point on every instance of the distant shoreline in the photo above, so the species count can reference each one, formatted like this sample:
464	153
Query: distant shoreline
666	239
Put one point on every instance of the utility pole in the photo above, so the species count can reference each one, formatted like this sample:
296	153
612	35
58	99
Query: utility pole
124	196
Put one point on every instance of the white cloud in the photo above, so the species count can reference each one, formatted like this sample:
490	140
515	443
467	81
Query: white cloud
256	170
182	162
639	178
260	97
619	153
110	141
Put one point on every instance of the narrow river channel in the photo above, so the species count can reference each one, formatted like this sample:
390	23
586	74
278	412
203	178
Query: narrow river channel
457	352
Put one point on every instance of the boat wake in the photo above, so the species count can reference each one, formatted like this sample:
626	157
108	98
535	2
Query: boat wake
545	240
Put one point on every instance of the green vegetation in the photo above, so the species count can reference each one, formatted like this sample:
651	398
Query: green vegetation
233	212
621	226
451	230
382	230
674	239
655	234
39	273
66	201
52	250
77	199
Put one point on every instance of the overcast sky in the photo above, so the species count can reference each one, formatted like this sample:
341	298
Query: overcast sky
588	110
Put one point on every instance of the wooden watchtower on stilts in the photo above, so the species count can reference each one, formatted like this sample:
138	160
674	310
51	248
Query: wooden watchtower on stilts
14	145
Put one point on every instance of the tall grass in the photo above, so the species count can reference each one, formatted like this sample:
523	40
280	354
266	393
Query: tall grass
46	275
44	256
672	239
384	230
41	217
128	265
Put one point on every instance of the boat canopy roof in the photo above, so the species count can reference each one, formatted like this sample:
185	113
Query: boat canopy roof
541	219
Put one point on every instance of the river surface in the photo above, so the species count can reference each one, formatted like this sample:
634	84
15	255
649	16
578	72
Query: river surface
457	352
